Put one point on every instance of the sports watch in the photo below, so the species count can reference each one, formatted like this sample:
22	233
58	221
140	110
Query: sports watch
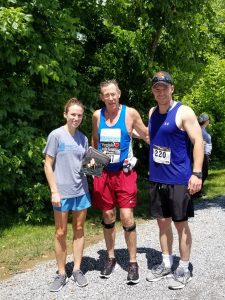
198	174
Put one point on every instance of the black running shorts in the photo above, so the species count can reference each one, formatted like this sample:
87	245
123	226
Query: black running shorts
170	201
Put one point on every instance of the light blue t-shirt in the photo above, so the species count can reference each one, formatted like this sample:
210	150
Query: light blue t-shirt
208	141
68	152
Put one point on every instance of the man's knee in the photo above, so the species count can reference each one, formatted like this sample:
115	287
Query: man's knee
108	226
129	228
181	225
164	223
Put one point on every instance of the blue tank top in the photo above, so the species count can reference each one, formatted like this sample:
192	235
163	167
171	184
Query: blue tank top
114	140
170	149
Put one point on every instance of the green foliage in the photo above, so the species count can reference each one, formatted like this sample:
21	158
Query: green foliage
52	50
22	184
34	204
40	50
207	96
9	165
14	27
32	208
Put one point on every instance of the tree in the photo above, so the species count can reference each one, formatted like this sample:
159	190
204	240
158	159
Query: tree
52	50
40	52
207	93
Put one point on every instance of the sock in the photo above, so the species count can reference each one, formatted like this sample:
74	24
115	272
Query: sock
184	264
168	260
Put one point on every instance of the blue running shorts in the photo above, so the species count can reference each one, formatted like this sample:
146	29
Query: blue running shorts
74	204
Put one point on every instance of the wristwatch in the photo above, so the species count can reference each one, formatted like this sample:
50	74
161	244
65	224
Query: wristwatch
198	174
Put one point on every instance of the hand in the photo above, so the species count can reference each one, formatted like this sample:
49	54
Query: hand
55	199
194	184
147	140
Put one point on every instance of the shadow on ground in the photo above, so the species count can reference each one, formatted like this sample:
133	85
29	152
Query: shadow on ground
89	264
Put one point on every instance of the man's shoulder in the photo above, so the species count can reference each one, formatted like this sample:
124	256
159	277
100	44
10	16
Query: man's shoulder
185	115
96	113
185	110
132	113
97	110
151	110
130	110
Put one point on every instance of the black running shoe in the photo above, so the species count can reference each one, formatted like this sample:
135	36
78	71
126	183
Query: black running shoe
108	268
133	276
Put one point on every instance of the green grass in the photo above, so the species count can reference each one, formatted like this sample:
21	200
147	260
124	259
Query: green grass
22	243
214	186
21	246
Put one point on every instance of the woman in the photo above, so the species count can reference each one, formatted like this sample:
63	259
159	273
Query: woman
64	152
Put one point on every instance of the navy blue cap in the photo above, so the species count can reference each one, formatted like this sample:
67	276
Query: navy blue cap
162	77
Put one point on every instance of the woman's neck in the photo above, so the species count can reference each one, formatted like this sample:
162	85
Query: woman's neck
70	130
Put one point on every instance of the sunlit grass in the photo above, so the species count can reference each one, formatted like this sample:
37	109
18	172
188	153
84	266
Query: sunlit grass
23	242
20	245
214	186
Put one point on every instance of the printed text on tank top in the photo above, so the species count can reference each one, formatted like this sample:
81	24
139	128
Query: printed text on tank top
111	137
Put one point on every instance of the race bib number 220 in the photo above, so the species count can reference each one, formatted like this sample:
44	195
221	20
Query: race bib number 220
161	155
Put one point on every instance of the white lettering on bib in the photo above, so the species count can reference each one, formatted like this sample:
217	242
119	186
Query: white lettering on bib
110	143
161	155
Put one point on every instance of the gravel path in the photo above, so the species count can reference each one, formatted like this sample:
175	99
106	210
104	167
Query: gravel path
208	229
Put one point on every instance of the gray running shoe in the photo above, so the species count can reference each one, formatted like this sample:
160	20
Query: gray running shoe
159	272
108	268
58	283
133	276
79	278
179	279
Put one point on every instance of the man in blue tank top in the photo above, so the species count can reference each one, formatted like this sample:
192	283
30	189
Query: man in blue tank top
173	178
112	132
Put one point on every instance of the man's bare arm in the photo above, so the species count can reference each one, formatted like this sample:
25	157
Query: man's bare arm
139	128
191	126
193	129
95	121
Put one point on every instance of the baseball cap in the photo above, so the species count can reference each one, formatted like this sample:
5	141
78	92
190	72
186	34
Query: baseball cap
203	118
162	77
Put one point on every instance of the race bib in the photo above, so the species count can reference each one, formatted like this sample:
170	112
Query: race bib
110	143
161	155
